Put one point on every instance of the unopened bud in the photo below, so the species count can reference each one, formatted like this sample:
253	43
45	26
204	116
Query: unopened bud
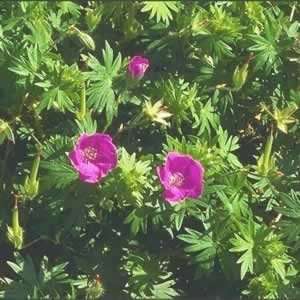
239	76
85	38
266	162
31	185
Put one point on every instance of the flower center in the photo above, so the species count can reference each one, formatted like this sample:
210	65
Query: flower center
90	153
176	179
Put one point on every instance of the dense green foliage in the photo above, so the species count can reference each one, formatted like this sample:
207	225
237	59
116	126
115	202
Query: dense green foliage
229	74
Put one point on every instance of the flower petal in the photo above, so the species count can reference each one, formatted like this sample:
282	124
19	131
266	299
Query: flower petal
105	158
192	172
177	162
137	66
107	153
89	173
162	174
173	196
75	159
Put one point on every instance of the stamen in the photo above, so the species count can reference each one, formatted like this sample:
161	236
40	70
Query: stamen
90	153
176	179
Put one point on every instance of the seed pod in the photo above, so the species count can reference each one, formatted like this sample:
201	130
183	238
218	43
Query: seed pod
15	232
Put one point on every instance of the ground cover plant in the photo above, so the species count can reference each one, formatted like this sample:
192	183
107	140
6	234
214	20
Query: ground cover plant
149	150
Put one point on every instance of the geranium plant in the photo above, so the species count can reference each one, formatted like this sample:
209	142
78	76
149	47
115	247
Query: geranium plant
149	150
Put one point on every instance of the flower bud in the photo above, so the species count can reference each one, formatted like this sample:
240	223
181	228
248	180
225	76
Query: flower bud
239	76
31	185
85	38
137	67
266	162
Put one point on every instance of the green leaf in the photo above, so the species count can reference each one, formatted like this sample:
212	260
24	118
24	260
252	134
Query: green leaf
162	10
100	92
87	40
246	261
202	249
244	243
279	266
206	118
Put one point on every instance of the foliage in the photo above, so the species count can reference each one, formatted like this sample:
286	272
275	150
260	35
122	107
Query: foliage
222	87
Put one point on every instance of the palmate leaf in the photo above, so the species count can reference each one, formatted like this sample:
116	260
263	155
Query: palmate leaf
165	290
290	209
179	96
138	220
162	10
266	45
28	65
61	89
55	97
201	248
206	118
266	56
59	174
69	7
56	170
227	145
36	282
133	179
217	47
245	243
148	278
41	33
100	92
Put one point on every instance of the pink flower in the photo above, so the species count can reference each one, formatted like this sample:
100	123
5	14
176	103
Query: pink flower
137	66
93	157
181	177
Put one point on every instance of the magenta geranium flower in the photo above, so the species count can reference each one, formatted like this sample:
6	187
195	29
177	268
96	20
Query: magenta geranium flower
181	176
93	156
137	66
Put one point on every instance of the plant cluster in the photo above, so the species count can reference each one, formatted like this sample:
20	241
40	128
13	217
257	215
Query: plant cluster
149	150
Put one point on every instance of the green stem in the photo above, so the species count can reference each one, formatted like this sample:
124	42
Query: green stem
268	150
6	154
292	12
82	111
35	168
15	216
137	120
